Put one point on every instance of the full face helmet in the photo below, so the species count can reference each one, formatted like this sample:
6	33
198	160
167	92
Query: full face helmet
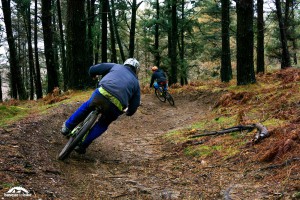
132	62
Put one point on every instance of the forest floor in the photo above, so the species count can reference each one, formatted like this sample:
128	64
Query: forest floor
138	157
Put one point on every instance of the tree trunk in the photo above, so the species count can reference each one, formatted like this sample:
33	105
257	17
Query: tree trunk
52	74
156	37
112	38
38	84
104	31
56	44
1	92
169	30
245	43
132	28
30	51
285	58
116	31
183	68
226	69
260	37
76	36
91	18
289	21
174	38
294	38
97	47
62	47
17	85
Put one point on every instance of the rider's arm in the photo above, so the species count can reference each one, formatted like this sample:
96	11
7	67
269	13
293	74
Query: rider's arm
152	80
134	103
100	69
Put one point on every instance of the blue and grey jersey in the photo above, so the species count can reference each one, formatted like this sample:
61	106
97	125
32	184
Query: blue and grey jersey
121	82
158	76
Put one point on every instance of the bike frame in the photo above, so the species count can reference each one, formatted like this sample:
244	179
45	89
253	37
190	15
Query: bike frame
79	133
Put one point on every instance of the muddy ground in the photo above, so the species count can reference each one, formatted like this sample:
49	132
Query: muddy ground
133	161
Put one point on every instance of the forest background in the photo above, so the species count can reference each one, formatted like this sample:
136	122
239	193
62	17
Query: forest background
49	44
229	63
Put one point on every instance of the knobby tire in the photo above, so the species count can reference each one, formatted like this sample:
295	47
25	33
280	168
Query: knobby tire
160	95
78	135
170	99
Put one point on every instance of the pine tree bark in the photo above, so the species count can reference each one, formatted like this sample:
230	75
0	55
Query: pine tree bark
260	38
62	46
183	68
156	36
52	73
116	31
226	69
285	58
30	51
112	38
76	37
132	28
17	84
245	42
1	92
174	38
104	31
37	78
91	17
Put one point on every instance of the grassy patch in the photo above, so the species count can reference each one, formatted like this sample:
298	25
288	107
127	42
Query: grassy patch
11	113
175	136
273	101
7	185
202	150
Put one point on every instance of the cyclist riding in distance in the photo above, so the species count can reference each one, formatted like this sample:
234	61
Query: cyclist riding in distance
118	90
158	78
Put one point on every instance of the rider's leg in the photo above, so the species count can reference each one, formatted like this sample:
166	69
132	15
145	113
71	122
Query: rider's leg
155	85
166	87
81	113
109	114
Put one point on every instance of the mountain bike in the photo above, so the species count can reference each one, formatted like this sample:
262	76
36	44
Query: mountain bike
164	95
79	133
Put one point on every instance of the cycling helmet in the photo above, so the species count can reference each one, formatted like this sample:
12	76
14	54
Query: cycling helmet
154	68
133	63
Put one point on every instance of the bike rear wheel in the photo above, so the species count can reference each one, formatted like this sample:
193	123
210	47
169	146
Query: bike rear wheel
78	134
170	99
160	94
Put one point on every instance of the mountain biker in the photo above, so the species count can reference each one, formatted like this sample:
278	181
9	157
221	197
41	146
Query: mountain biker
118	90
158	78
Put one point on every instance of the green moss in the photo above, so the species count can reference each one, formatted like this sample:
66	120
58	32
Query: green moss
7	185
296	195
11	113
272	122
231	151
201	150
175	136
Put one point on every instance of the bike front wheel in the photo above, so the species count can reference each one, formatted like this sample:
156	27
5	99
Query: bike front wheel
160	95
78	134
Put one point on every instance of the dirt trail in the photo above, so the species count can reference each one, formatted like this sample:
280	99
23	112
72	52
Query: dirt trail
130	160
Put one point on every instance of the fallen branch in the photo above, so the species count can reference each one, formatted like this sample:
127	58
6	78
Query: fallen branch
262	131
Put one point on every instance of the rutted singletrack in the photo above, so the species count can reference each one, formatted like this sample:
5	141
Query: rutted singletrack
130	160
